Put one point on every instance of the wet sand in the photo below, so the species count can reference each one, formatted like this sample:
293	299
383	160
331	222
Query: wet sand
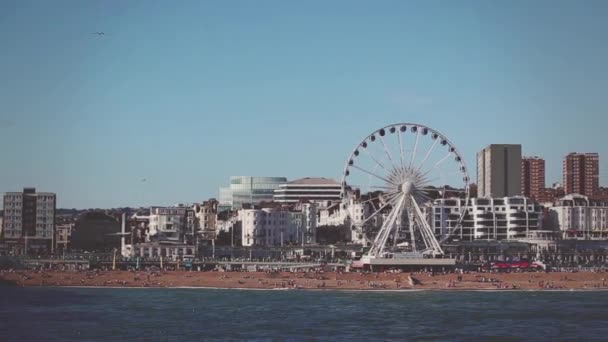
311	280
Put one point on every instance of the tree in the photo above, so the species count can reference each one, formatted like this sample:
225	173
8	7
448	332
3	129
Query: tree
331	234
95	231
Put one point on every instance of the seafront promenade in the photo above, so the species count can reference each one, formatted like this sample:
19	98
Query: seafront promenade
312	280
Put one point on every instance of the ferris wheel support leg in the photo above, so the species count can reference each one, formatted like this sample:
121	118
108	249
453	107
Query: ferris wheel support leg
426	229
387	227
395	214
412	234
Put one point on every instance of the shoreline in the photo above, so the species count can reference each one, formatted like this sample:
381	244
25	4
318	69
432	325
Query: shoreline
311	281
320	289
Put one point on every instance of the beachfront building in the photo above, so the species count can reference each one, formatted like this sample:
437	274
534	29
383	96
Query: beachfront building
278	225
167	232
155	251
170	224
578	217
322	191
29	220
248	190
353	218
304	220
205	219
138	226
506	218
266	227
63	234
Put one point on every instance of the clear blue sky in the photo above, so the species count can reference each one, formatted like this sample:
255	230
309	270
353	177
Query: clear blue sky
187	93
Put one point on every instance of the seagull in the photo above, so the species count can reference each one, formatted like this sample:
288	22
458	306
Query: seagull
98	33
143	179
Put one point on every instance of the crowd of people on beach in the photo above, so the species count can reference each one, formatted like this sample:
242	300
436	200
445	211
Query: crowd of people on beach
312	278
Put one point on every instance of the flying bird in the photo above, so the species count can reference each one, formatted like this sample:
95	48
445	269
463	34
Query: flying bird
99	33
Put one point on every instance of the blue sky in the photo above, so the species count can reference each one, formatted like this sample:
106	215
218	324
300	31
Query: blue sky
187	93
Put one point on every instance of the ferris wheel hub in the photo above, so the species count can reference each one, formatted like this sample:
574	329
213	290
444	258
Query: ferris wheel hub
408	188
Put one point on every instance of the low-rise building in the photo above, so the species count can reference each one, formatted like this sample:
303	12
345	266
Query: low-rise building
352	217
506	218
177	251
63	234
205	222
579	217
170	224
139	225
266	227
321	191
276	225
304	220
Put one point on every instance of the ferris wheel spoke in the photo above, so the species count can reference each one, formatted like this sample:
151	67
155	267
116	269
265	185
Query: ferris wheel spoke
380	187
442	189
427	182
428	153
446	177
388	153
422	198
392	196
422	195
415	147
370	178
385	195
401	156
392	201
437	164
372	174
378	163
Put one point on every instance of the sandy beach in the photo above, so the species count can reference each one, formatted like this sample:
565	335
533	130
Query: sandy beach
311	280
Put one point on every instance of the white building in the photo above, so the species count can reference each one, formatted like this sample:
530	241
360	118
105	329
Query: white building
63	235
225	226
277	226
266	227
304	220
507	218
576	216
322	191
332	215
170	224
352	217
205	219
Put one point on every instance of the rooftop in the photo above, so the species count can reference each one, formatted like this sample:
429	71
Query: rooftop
313	181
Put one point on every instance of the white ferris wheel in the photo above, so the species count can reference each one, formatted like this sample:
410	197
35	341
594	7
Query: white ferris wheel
389	182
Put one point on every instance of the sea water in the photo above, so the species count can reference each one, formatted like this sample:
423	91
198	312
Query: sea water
102	314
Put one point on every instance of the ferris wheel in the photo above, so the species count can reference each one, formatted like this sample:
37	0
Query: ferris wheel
390	181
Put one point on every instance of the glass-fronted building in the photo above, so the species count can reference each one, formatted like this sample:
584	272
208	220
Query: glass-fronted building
246	189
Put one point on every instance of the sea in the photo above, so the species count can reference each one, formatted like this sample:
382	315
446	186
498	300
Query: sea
160	314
